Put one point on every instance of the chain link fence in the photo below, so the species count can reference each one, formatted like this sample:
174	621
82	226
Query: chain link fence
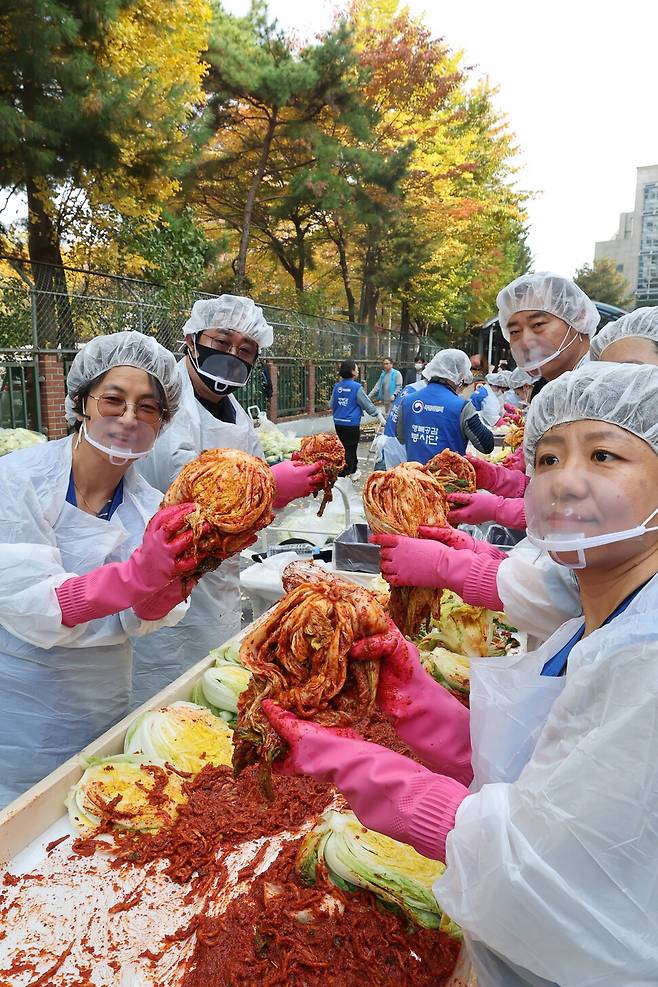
47	309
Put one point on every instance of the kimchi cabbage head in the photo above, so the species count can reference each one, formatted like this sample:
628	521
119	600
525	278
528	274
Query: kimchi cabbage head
356	857
298	656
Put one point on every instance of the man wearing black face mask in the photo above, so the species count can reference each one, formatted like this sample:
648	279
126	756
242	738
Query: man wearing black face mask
223	339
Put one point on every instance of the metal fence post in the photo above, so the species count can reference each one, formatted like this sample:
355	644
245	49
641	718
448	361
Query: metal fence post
274	400
36	389
310	394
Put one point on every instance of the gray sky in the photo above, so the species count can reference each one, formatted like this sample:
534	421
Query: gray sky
577	80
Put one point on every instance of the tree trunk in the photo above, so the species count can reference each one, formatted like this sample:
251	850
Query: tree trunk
241	266
405	331
345	272
54	317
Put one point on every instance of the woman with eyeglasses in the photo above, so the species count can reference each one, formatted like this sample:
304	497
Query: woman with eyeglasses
88	560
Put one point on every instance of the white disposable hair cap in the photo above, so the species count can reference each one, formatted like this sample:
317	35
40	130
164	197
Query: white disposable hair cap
230	312
622	394
642	323
452	365
505	376
122	349
546	292
518	378
494	380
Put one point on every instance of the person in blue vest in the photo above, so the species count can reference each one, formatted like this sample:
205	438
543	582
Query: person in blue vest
388	385
436	417
348	402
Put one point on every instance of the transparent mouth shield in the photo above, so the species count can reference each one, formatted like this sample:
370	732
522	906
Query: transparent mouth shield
535	354
121	441
567	527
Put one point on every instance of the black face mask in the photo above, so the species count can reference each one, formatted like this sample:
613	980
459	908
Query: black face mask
223	373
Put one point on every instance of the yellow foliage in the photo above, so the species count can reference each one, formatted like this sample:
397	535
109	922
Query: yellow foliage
157	45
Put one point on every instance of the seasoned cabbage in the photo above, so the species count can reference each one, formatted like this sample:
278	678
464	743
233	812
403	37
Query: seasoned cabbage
126	790
356	857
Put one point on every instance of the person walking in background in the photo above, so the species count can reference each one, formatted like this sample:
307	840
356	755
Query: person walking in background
388	386
415	374
348	402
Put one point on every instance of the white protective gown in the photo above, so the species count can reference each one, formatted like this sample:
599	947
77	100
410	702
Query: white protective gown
552	864
60	687
215	612
538	595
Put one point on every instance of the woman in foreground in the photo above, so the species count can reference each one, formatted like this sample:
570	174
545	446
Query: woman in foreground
551	851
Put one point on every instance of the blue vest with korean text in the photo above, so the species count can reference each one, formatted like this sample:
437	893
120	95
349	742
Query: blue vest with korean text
344	404
431	422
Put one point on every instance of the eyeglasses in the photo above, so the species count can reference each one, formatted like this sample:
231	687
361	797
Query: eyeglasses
112	406
245	351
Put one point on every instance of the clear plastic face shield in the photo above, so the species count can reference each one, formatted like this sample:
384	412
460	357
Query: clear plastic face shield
121	437
221	371
533	351
568	515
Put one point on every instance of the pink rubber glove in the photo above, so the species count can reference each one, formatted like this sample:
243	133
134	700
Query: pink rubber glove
387	792
498	479
512	409
434	724
473	508
418	562
149	570
160	604
294	480
454	538
515	461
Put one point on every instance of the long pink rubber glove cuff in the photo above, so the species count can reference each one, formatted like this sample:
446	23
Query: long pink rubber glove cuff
419	562
119	585
474	508
388	792
294	480
498	479
434	724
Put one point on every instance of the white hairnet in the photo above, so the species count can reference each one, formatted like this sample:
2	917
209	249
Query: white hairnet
622	394
505	376
452	365
546	292
495	380
518	378
122	349
230	312
642	323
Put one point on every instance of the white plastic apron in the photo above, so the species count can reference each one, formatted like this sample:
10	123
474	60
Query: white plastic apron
215	611
57	700
510	703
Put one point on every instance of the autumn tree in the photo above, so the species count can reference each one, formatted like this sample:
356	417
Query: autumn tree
456	210
270	102
97	106
604	283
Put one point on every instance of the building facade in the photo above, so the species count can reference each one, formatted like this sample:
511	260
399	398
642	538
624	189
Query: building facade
634	248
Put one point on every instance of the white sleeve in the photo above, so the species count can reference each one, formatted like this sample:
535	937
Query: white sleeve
31	570
135	627
538	595
557	872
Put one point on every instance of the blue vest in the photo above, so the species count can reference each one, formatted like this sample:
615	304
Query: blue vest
344	404
392	421
431	422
